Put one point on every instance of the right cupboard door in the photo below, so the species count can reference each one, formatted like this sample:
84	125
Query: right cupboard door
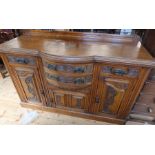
112	93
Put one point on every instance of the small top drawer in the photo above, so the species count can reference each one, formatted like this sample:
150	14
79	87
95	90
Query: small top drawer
21	60
123	71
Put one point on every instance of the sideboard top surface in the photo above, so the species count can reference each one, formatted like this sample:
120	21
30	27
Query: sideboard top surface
69	47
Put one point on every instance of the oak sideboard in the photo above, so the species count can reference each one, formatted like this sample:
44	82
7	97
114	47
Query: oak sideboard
90	75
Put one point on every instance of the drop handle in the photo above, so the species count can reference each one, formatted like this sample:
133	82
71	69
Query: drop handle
149	109
97	100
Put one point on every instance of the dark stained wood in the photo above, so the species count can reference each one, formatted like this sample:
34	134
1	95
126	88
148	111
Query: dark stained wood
96	76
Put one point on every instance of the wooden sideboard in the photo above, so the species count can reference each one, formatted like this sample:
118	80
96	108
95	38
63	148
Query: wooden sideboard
90	75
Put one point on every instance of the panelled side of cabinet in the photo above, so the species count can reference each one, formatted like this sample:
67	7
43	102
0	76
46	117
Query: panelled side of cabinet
125	109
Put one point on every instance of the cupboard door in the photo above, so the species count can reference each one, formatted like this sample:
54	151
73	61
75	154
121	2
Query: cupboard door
28	79
73	100
111	94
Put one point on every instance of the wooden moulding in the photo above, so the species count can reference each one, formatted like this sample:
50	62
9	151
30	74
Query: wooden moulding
88	59
93	59
103	118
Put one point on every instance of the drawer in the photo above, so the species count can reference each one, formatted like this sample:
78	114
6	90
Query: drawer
119	71
142	109
68	82
151	76
68	68
149	88
21	60
146	99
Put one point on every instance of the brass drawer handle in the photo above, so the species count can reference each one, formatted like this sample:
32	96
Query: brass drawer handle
149	109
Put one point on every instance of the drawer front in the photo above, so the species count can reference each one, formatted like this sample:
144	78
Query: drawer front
68	82
146	99
144	109
119	71
21	60
68	68
149	88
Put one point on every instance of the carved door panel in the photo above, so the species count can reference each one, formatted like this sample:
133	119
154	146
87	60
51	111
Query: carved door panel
67	99
112	93
30	84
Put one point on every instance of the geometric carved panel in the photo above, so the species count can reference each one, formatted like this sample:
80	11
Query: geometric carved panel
70	100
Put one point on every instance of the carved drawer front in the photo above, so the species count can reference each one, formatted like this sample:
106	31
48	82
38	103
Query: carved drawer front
29	83
149	88
67	99
68	82
68	68
111	94
21	60
119	71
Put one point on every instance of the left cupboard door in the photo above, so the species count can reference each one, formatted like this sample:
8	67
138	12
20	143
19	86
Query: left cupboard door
29	83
